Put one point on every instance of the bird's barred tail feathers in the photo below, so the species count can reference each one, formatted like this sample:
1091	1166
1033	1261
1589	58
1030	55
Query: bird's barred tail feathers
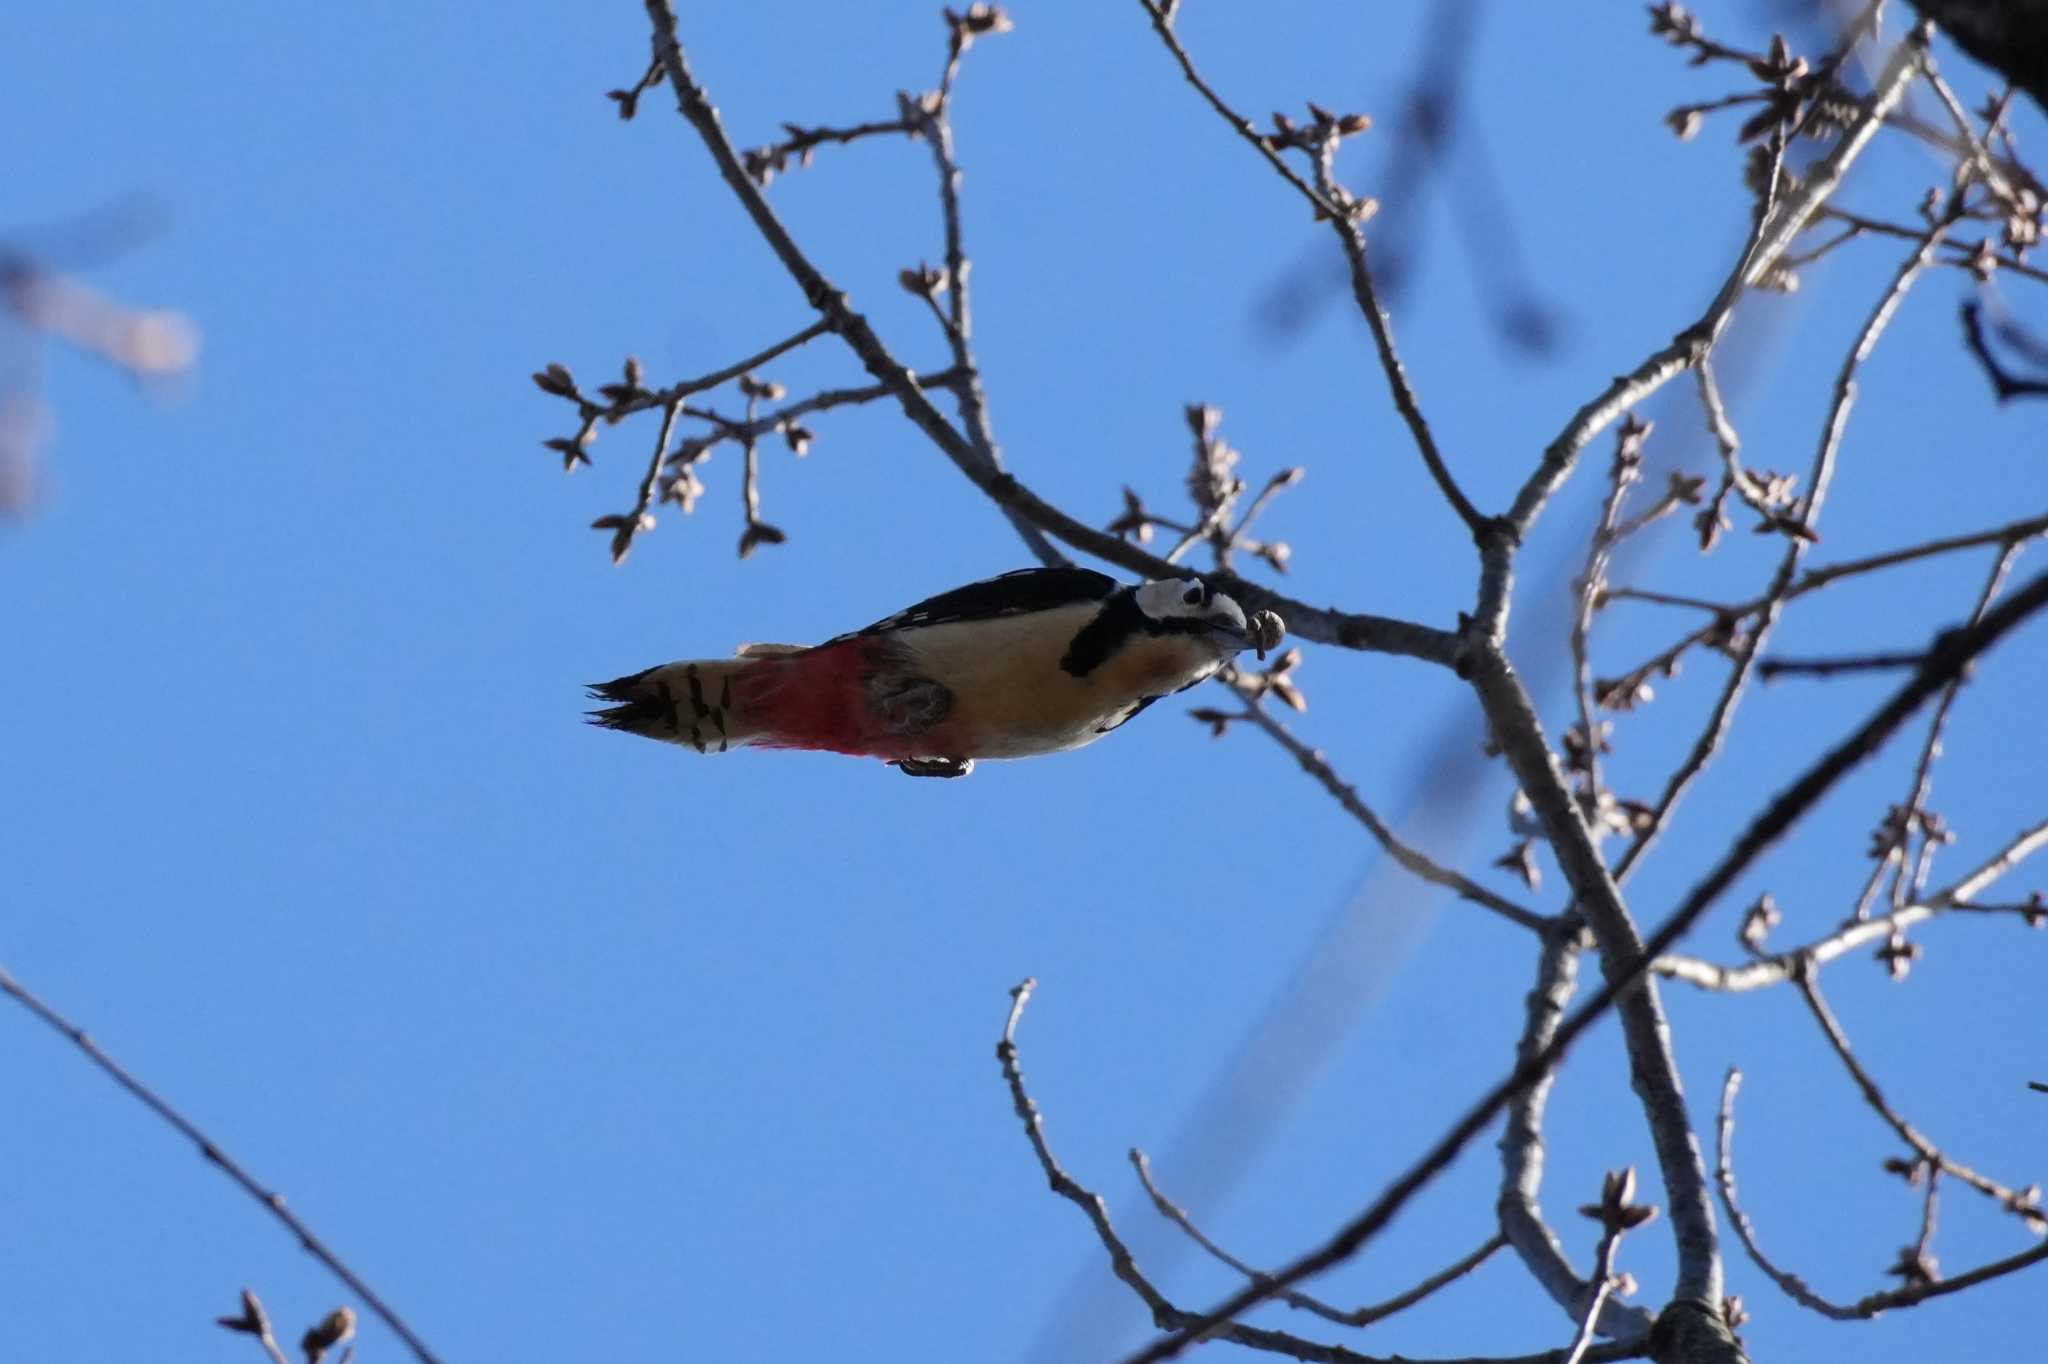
689	703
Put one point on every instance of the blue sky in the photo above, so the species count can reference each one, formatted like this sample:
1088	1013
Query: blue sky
575	1045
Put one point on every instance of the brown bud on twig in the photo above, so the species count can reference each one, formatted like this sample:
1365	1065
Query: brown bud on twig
336	1328
978	20
1134	522
1521	860
683	488
759	533
1983	262
1672	22
1916	1267
925	281
253	1321
1757	922
1623	693
1617	1210
556	380
1276	553
623	529
572	451
1898	956
1684	121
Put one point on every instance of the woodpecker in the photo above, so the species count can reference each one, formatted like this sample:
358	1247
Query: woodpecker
1037	661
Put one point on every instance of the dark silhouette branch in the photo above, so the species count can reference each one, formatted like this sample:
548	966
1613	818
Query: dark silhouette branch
2004	384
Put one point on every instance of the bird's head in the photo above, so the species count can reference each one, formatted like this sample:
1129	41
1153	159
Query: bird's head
1191	606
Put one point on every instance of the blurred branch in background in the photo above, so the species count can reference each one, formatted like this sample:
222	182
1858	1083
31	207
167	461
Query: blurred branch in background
43	300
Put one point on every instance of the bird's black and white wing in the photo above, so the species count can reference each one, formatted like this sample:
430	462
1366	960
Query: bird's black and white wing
1023	592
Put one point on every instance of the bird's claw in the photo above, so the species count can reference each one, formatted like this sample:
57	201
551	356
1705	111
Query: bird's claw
1266	630
934	767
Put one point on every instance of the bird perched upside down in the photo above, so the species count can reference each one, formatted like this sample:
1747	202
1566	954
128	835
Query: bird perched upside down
1037	661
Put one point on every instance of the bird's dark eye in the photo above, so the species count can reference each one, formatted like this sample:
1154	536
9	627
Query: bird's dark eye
1193	596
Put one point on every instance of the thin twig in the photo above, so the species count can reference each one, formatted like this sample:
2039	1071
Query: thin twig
1627	469
1412	861
958	322
724	429
2015	532
625	528
1358	1316
1724	1171
1664	599
764	163
1930	1210
1772	233
1962	255
1125	1267
2030	528
1795	1288
756	532
1797	543
1846	663
1857	933
1923	772
1734	477
1345	215
1975	154
647	399
272	1201
1604	1281
1351	235
1161	14
2012	1200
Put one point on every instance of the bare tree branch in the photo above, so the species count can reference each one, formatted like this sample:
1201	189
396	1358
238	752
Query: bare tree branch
1521	1148
1771	236
1776	969
1748	647
1724	1171
1795	1288
271	1201
1125	1267
2021	1203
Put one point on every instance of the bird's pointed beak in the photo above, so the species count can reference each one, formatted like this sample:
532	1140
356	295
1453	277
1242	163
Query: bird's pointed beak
1226	617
